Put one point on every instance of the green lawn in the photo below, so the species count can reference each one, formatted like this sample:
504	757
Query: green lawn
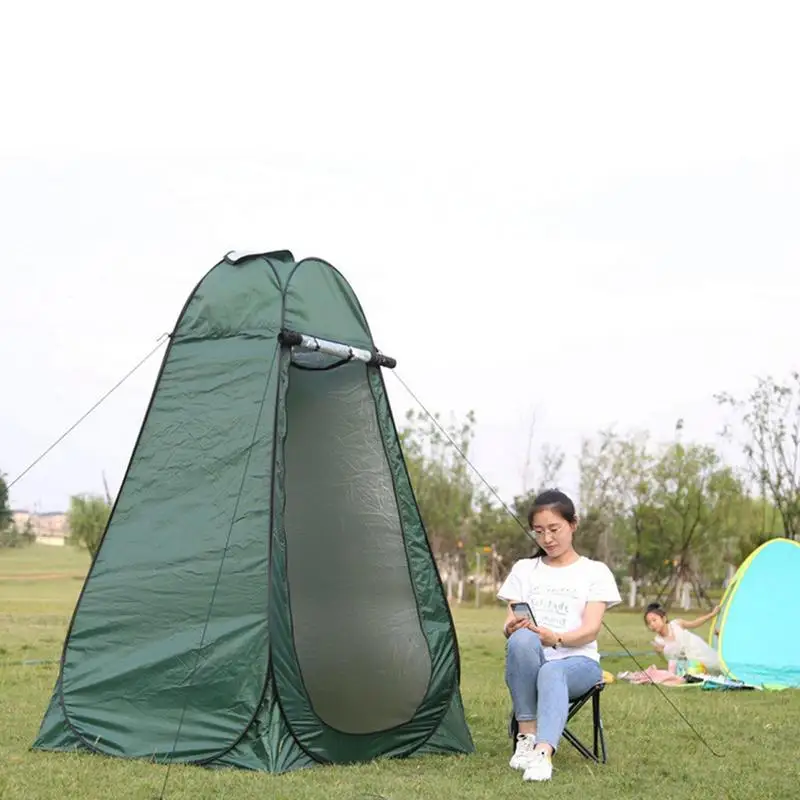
652	752
41	560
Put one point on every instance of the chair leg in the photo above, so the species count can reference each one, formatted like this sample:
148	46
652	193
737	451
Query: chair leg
513	730
599	735
579	745
598	752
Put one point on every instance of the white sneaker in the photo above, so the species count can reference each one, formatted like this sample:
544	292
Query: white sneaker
540	767
523	754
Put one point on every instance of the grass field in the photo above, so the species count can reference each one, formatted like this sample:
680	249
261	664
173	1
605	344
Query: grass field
652	751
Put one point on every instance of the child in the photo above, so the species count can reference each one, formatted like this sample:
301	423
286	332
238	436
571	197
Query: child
674	638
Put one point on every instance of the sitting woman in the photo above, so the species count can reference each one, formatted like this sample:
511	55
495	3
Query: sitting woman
556	659
674	638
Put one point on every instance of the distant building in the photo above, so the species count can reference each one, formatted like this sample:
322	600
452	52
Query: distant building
49	527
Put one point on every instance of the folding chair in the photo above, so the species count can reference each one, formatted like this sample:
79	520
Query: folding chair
598	751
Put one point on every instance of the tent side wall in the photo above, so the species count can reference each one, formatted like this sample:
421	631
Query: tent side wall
714	630
162	652
763	597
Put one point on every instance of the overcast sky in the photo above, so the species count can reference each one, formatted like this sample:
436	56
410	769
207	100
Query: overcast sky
584	211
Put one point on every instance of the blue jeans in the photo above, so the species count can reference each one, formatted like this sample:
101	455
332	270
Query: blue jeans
541	690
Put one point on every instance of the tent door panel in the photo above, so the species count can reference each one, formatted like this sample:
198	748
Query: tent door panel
361	652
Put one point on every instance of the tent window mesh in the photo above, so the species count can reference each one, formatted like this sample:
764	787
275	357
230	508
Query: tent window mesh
362	654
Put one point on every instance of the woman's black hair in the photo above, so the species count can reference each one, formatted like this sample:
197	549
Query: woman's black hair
557	502
655	608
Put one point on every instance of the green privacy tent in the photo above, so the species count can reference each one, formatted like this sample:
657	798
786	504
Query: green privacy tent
264	595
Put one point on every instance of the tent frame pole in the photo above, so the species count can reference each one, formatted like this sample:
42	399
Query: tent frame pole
373	358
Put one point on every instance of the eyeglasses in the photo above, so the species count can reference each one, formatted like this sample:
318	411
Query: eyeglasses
553	530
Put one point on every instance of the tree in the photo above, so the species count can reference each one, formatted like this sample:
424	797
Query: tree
440	476
87	519
615	493
6	517
664	514
504	526
10	536
27	534
551	461
695	497
461	515
770	416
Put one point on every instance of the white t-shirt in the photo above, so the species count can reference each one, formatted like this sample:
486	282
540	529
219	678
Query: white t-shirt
692	645
558	596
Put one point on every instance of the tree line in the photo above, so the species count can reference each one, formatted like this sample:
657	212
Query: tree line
11	535
86	520
671	518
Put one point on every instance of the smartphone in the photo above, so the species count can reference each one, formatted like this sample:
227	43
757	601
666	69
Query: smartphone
523	610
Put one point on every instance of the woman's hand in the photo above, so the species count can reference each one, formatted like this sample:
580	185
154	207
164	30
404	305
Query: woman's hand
515	624
546	636
716	610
